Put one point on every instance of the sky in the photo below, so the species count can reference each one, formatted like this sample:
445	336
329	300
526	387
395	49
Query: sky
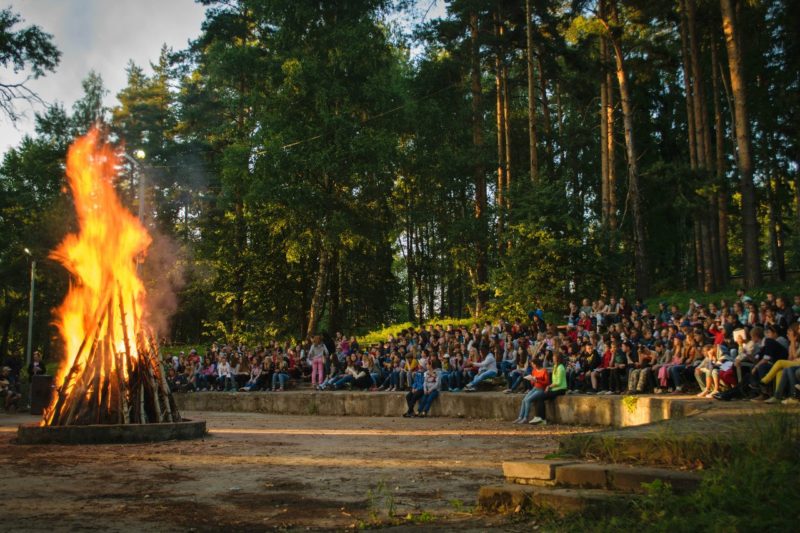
103	35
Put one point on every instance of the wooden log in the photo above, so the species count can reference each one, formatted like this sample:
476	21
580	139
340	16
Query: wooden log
52	416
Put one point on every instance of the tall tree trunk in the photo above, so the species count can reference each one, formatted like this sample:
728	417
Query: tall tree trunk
607	159
420	272
698	255
698	93
612	150
711	256
479	178
750	231
410	263
708	260
501	132
548	126
776	230
532	140
560	122
603	127
687	88
320	289
334	305
507	133
797	198
722	185
639	251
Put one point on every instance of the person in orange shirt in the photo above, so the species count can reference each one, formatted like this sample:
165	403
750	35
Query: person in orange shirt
540	380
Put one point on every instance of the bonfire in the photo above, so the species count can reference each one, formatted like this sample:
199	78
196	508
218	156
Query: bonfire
111	373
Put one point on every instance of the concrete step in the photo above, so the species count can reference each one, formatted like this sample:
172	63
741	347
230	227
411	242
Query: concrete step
615	477
512	497
614	411
541	472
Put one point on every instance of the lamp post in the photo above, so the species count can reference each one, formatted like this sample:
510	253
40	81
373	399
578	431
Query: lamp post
30	308
136	159
140	155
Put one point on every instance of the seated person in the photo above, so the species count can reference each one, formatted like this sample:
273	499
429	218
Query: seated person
487	369
8	392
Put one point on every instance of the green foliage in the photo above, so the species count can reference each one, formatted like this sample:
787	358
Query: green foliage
21	49
380	335
300	162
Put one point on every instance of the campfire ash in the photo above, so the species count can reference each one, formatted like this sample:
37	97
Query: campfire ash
111	373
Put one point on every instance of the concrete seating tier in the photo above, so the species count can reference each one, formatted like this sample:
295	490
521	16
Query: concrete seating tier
609	411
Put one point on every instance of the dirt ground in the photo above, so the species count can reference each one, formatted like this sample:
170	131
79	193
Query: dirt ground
261	472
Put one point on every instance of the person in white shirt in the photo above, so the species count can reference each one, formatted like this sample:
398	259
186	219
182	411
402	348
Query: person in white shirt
431	386
487	369
225	375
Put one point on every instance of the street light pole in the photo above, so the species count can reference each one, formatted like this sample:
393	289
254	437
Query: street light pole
30	309
138	155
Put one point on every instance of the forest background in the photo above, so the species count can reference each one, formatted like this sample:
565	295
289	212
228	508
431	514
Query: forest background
317	166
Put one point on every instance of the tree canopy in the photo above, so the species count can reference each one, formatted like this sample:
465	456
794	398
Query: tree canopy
321	166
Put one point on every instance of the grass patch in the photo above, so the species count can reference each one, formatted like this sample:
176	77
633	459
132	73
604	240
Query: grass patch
380	335
751	485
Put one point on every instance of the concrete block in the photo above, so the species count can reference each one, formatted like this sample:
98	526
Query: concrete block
540	469
567	501
505	497
630	478
586	475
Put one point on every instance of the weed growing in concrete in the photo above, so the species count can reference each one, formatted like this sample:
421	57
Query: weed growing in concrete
630	403
380	502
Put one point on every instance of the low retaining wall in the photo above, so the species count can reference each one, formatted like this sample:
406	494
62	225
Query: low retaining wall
110	433
611	411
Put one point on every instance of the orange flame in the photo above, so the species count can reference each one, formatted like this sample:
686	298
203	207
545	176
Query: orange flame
102	260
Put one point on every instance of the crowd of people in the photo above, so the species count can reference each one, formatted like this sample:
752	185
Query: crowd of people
723	350
729	349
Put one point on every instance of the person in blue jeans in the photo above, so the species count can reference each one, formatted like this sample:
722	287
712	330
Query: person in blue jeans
556	388
430	390
280	377
516	376
539	379
416	393
487	369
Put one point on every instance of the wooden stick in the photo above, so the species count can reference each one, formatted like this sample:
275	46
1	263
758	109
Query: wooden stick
52	416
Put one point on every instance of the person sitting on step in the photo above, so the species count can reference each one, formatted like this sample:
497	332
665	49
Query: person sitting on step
557	388
487	369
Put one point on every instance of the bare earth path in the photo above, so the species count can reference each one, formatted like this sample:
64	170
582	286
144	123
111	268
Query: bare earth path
258	472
